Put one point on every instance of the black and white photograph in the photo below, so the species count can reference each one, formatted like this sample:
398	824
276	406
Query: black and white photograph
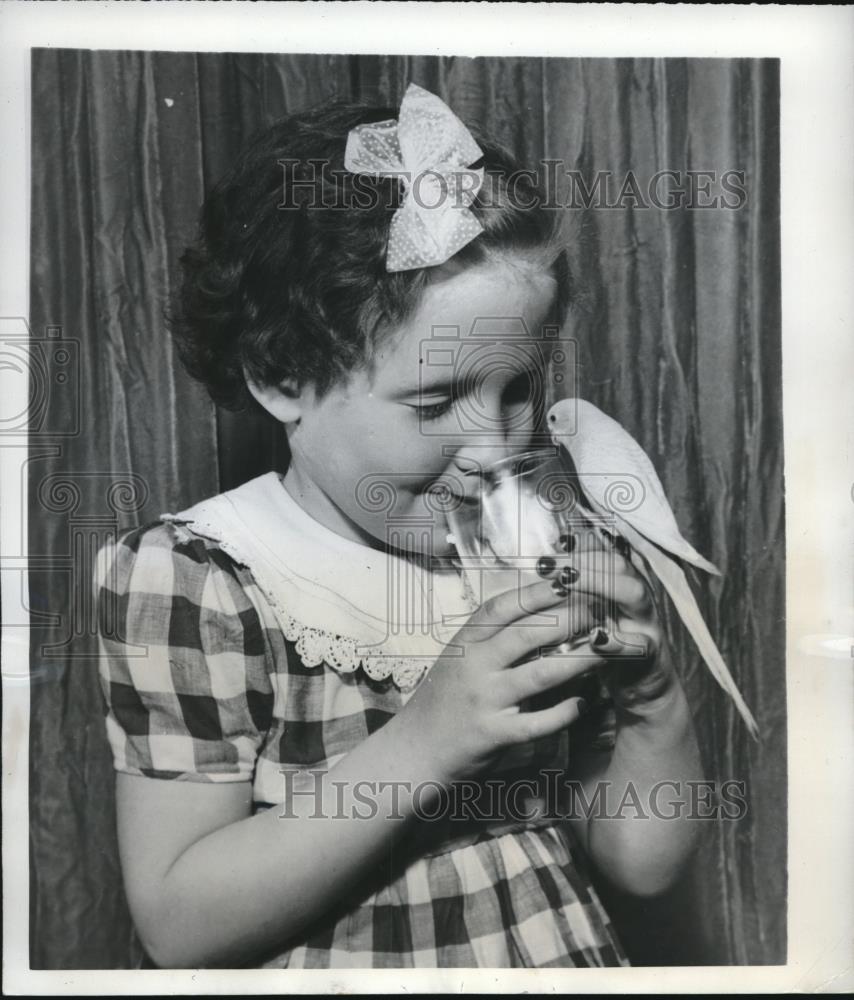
403	494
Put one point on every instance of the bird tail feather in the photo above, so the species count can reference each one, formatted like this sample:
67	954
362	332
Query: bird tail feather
676	583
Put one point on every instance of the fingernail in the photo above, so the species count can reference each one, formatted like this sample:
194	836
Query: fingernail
567	542
582	706
558	588
567	576
598	638
545	565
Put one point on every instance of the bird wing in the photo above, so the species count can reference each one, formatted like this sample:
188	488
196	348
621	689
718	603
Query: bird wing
646	518
605	528
676	584
595	454
599	446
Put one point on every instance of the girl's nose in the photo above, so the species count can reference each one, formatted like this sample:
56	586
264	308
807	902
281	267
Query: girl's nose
466	465
475	462
493	440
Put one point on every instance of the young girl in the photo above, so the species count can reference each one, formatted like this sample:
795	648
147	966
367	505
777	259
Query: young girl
296	677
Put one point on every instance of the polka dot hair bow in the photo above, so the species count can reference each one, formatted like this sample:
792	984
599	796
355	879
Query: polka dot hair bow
429	149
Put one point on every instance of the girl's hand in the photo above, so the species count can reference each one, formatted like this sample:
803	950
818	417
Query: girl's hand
653	740
466	711
638	674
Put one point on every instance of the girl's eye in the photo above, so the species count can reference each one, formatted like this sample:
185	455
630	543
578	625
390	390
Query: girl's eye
432	411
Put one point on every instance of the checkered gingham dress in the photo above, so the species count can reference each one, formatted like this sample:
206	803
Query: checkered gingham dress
202	685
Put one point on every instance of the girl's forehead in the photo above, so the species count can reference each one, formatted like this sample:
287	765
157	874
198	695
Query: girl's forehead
486	296
477	313
516	276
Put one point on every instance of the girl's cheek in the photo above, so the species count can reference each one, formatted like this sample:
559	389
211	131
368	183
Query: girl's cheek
416	453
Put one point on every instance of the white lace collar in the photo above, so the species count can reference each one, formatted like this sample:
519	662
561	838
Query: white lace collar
341	602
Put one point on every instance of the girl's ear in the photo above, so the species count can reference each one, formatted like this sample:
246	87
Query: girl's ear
283	401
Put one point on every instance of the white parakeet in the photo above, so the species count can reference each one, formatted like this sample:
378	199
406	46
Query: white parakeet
607	458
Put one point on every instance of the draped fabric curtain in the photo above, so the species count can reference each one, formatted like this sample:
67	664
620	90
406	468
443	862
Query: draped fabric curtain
677	321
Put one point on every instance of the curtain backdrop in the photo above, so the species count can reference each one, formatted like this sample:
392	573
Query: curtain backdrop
678	325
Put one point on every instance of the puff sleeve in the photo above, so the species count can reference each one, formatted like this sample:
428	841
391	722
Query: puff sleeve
184	661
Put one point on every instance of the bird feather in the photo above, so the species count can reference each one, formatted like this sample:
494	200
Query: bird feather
598	445
676	584
609	461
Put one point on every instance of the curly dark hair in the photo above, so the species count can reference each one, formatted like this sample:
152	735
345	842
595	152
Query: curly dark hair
287	278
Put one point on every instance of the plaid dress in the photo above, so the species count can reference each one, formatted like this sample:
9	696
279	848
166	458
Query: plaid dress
203	683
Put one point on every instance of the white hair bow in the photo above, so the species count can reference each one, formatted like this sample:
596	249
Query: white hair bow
429	149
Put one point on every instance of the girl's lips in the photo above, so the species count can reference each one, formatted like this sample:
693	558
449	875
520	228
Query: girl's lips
464	501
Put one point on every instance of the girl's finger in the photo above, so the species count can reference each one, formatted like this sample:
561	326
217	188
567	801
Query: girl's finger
575	541
508	608
530	636
525	727
632	669
615	642
544	673
619	584
591	559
